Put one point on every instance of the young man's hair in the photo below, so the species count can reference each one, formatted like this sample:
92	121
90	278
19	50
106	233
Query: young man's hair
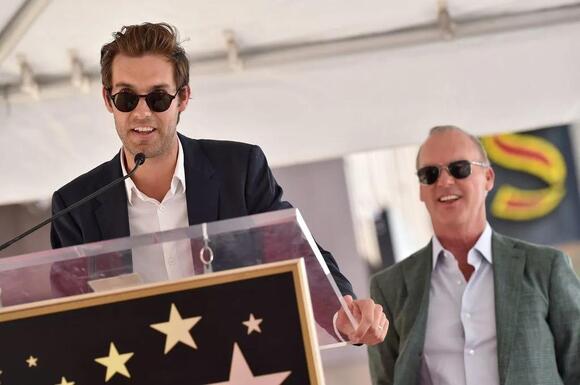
146	38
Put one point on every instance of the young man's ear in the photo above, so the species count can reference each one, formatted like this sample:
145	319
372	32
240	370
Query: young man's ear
184	95
107	99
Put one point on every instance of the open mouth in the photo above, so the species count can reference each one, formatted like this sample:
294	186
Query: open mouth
450	198
143	130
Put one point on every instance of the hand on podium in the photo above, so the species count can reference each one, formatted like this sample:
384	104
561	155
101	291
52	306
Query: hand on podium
372	322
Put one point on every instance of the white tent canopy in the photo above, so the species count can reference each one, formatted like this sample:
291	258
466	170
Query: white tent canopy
317	79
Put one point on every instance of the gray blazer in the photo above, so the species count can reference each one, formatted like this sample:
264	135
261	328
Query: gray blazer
537	316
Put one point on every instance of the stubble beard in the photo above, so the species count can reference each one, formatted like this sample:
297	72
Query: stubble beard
152	150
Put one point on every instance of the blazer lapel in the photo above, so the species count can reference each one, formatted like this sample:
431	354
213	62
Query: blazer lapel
112	217
201	184
418	282
111	212
508	267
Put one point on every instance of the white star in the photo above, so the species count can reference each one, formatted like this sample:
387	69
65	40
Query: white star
115	363
177	329
253	324
240	373
31	361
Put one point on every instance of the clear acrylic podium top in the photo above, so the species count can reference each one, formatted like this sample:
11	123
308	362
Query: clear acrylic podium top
176	254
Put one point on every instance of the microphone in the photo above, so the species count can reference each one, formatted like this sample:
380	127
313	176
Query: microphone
139	160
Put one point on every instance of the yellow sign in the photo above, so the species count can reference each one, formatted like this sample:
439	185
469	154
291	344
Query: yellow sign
532	155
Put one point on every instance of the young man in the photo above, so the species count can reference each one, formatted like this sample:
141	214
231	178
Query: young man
145	74
473	306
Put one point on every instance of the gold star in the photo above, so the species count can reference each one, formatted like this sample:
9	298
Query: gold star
31	361
253	324
240	373
177	329
115	362
63	381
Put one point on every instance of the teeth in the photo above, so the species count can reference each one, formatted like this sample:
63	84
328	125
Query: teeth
143	129
448	198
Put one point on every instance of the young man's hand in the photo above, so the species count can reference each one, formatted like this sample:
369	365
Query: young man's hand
372	322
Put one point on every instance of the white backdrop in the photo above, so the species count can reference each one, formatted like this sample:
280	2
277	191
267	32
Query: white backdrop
302	110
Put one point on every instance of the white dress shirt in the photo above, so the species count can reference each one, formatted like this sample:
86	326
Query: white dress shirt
169	260
460	341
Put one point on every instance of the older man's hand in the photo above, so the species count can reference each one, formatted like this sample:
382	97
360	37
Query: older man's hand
372	322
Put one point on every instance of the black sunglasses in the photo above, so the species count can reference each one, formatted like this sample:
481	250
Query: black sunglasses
157	101
460	169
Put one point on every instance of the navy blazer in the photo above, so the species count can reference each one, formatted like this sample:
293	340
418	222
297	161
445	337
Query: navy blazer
223	180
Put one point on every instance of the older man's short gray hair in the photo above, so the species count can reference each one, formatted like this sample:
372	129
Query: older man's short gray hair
473	138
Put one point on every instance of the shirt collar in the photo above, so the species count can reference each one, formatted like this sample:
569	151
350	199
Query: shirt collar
177	180
483	246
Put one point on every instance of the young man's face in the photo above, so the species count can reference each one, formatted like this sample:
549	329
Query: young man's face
452	203
143	130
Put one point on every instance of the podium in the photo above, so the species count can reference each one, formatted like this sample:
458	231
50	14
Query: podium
251	298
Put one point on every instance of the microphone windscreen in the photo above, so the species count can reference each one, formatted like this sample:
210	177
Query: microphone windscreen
139	159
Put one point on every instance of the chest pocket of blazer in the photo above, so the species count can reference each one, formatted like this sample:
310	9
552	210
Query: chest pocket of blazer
533	303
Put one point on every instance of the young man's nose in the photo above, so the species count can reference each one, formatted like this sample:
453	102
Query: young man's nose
142	108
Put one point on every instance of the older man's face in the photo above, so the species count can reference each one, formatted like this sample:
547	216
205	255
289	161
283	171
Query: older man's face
455	203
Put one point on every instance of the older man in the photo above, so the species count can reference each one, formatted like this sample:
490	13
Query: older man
474	306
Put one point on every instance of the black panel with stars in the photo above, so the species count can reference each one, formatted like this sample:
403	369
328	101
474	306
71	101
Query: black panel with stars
249	328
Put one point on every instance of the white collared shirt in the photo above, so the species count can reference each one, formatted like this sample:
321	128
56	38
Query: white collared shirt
169	260
460	340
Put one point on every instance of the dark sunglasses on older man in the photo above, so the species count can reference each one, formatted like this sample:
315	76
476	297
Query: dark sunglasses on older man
157	101
460	169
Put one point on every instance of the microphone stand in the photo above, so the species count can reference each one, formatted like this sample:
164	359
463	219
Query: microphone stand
139	160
